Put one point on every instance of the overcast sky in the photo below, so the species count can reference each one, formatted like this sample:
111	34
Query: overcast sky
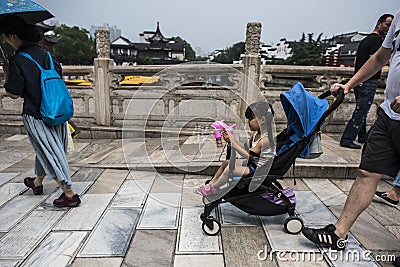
216	24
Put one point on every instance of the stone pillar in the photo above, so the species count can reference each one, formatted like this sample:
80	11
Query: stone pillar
101	78
251	67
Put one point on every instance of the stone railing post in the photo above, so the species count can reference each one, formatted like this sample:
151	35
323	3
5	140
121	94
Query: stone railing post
101	78
251	66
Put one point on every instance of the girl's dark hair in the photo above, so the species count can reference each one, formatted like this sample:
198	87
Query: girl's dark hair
16	25
258	109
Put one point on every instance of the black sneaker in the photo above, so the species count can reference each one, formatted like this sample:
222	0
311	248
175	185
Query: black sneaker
397	261
350	145
325	237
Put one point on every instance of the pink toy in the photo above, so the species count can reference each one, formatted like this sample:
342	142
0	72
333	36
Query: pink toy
220	126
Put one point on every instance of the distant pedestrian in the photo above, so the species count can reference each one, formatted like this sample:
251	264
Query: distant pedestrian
23	80
365	91
381	152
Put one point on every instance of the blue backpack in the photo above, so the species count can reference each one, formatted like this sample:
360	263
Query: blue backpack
56	106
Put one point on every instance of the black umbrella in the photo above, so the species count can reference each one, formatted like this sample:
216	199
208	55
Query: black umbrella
30	11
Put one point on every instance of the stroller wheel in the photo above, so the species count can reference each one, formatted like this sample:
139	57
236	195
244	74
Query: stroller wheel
216	227
293	225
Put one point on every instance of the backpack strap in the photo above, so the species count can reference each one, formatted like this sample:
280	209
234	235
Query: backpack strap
37	64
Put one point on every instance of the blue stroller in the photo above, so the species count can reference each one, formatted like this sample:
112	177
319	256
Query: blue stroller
306	114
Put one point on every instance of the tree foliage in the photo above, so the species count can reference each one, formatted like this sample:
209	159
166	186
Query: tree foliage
306	51
190	54
75	46
230	54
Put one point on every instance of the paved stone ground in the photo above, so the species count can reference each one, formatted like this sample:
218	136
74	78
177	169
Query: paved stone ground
142	216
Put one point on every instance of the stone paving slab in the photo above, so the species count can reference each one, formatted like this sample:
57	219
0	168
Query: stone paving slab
132	194
16	137
191	239
96	262
230	215
281	241
117	156
87	174
10	190
58	249
151	248
114	198
112	235
311	210
98	156
109	181
5	177
29	233
16	209
9	263
199	260
242	246
161	211
327	192
85	216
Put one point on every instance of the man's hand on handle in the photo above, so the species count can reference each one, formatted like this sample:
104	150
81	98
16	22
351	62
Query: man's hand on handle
336	86
395	105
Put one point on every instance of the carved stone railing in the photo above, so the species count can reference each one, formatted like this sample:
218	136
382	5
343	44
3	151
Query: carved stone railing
274	79
185	95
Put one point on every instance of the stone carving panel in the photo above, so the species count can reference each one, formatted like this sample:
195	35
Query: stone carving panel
325	81
103	43
253	35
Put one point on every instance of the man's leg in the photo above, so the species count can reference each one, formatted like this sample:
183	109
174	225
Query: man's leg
364	96
359	198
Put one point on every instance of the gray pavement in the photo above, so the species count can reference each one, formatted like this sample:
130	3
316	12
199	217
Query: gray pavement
138	209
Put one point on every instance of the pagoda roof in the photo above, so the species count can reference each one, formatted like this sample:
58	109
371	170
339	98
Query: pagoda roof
158	36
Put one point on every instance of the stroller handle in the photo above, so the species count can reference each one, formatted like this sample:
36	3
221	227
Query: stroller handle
334	105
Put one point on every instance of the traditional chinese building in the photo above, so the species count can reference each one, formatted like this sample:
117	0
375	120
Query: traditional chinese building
341	50
153	48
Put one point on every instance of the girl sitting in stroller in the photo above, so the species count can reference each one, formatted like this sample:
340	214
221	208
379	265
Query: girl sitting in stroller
258	119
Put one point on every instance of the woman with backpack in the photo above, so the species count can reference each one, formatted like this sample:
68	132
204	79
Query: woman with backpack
23	79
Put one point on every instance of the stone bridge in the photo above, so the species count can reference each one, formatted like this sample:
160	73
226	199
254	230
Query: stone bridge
186	97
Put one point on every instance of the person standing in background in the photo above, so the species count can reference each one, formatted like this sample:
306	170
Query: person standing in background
365	92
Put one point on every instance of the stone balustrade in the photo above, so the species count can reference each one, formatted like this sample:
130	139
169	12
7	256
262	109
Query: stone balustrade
185	96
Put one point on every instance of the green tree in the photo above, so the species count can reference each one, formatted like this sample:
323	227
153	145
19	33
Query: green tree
230	54
306	52
75	45
143	60
190	54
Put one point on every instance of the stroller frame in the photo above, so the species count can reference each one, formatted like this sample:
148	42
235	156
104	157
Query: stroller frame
281	164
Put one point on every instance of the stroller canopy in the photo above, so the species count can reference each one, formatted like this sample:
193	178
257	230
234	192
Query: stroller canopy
303	111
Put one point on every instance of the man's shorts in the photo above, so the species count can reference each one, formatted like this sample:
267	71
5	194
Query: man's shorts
381	152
